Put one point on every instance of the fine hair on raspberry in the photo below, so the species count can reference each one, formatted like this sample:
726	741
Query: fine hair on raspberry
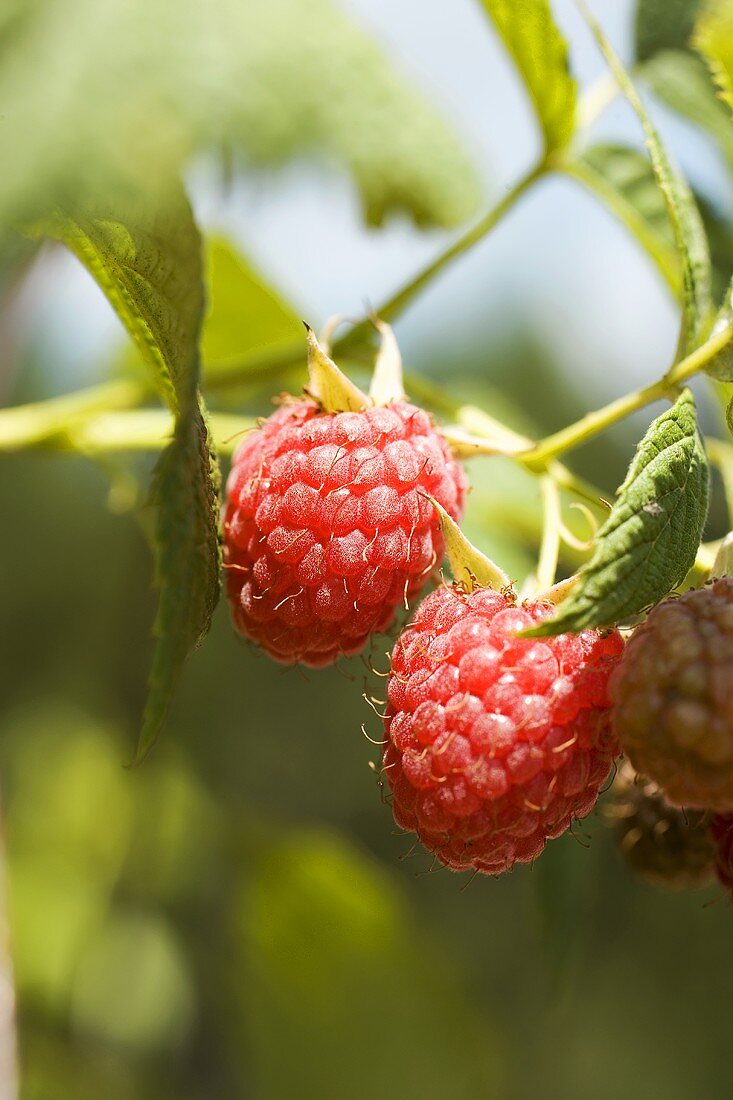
495	743
329	526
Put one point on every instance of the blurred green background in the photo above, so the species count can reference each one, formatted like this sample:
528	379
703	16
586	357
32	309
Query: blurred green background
239	917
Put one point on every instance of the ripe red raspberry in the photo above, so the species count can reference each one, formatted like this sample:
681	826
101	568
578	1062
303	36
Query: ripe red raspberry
328	528
495	743
673	703
721	830
663	844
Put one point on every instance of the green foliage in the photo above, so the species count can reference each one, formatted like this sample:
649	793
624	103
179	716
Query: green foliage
168	941
683	214
185	494
664	25
682	81
540	52
664	46
623	177
649	542
147	260
132	987
721	367
337	974
149	265
99	97
720	235
714	39
245	316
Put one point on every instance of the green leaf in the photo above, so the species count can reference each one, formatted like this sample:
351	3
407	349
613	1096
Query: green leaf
721	367
664	25
185	494
261	83
246	316
719	232
683	82
649	542
149	265
624	179
683	214
540	52
714	39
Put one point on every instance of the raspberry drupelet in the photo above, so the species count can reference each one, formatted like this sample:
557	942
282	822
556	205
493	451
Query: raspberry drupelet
328	527
495	743
673	697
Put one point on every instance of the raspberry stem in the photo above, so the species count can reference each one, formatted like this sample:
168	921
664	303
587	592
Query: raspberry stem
551	526
593	423
109	431
398	302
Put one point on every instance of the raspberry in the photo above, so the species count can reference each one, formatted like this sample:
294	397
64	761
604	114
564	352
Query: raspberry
328	528
495	743
673	704
663	844
721	830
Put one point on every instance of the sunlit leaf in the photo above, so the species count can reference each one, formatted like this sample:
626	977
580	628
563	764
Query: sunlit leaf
185	493
721	367
150	267
683	82
663	25
623	177
719	231
649	542
246	315
714	39
95	93
540	52
683	213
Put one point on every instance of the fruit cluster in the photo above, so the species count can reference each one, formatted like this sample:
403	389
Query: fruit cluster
339	508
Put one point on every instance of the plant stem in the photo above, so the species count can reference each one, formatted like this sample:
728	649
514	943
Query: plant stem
359	334
138	430
550	544
593	423
519	446
39	423
664	256
399	301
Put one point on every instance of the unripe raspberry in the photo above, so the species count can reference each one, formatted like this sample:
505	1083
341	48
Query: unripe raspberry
328	526
673	703
663	844
721	831
495	743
